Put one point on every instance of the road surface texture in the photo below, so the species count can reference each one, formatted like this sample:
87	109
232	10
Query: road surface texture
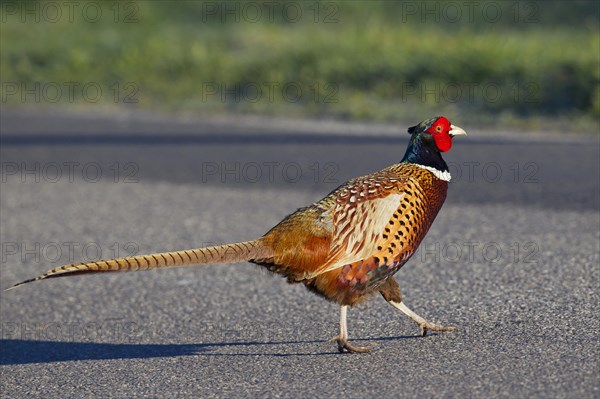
513	259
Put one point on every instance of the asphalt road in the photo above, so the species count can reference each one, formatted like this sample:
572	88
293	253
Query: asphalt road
513	259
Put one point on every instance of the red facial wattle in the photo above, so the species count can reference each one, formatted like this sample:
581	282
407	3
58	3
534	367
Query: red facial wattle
440	132
443	141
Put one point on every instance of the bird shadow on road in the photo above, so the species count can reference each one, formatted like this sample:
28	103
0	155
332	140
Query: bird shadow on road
16	351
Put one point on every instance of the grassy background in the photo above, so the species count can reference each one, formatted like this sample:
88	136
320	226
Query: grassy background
535	66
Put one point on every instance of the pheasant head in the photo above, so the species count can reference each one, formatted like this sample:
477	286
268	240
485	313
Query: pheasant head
428	140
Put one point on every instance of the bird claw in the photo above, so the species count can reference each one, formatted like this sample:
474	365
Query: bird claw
426	326
345	347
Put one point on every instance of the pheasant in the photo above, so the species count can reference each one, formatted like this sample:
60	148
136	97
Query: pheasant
345	247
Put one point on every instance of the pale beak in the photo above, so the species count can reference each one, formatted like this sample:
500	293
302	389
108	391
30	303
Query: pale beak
456	131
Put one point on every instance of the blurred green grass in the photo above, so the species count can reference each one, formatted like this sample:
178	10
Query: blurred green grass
354	60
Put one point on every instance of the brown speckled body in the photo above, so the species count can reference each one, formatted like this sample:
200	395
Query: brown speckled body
347	245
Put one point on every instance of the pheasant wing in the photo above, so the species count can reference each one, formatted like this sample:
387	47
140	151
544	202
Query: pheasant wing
360	215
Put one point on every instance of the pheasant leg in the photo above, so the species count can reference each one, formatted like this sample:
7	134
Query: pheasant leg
342	339
423	324
391	293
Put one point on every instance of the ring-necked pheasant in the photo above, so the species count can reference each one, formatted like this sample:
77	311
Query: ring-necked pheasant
344	247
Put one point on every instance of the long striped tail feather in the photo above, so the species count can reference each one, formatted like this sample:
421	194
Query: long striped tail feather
227	253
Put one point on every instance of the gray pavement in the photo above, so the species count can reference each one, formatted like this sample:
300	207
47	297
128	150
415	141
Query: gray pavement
513	259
